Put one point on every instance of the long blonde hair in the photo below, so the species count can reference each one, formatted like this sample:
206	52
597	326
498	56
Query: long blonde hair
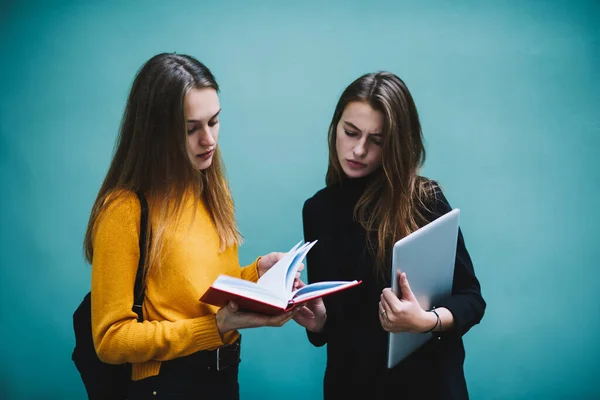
392	205
152	155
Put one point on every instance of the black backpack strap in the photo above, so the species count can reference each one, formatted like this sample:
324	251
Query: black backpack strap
140	289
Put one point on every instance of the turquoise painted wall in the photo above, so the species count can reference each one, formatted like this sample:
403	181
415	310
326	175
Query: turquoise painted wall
509	98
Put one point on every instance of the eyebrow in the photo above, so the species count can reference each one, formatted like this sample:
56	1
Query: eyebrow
195	120
351	125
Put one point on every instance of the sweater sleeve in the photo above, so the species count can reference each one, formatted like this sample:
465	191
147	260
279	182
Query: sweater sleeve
314	264
466	302
250	272
118	336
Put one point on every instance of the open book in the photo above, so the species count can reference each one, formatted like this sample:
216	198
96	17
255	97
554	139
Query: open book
274	292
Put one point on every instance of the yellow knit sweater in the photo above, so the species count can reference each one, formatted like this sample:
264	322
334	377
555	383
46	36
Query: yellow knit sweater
175	323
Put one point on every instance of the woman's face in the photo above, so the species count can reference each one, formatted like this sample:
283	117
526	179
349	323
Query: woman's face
202	107
359	139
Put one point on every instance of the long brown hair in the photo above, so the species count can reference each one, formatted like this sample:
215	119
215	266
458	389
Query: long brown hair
152	155
395	199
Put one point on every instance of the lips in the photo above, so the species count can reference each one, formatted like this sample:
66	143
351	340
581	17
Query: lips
356	164
205	156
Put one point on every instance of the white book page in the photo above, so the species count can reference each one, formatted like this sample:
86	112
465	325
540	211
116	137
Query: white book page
295	264
275	278
250	290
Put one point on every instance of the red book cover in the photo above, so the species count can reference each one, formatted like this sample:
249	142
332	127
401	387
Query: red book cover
221	296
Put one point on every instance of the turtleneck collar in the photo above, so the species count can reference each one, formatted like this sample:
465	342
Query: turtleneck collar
357	183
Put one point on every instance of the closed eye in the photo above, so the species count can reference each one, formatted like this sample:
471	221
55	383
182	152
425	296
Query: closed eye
351	134
376	140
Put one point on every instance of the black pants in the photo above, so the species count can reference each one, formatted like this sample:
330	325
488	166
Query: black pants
193	377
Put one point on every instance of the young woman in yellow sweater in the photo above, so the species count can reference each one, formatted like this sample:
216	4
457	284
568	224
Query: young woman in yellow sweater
167	150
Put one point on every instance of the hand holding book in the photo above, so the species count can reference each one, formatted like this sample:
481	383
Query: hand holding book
275	292
231	318
312	315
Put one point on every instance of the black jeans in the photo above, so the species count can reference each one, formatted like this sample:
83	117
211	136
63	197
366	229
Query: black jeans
196	376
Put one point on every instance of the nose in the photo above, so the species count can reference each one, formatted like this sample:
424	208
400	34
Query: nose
360	150
206	138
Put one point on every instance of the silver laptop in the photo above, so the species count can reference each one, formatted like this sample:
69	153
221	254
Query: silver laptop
427	256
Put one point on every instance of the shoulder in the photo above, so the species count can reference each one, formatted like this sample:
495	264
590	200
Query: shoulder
433	199
318	202
121	205
117	220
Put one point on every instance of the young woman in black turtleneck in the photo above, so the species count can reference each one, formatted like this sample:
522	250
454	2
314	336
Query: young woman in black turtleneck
374	196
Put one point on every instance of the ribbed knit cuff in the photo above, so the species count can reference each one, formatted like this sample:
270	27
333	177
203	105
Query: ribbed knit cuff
144	370
205	334
250	272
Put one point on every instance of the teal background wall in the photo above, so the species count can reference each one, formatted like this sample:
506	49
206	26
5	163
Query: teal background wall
509	97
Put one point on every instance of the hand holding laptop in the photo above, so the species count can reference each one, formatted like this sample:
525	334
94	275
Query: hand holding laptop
428	256
403	314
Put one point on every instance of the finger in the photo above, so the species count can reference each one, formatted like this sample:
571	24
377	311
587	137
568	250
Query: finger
265	320
301	284
279	319
382	319
301	267
407	293
384	309
272	258
305	312
389	295
276	256
288	316
393	304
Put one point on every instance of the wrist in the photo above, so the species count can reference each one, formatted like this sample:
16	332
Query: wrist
221	322
429	322
258	267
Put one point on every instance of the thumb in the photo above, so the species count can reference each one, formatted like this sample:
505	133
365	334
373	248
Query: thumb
407	293
275	256
233	307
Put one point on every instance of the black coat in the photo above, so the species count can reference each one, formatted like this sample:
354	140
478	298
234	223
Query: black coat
356	342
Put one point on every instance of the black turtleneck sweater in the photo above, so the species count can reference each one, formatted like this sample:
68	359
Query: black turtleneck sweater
356	342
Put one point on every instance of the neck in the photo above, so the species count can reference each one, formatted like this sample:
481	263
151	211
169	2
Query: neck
360	182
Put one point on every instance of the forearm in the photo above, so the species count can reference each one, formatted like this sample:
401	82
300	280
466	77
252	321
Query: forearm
467	310
135	342
119	337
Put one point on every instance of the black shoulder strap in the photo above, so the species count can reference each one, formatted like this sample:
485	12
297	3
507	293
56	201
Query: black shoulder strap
140	289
